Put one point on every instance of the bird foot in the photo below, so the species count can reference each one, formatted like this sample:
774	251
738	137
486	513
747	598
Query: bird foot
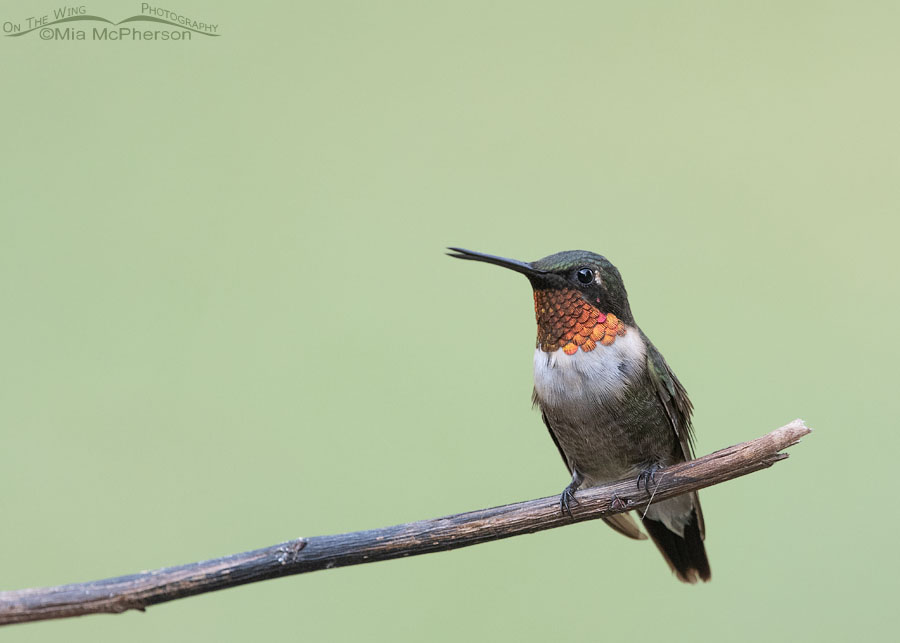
566	499
617	503
647	477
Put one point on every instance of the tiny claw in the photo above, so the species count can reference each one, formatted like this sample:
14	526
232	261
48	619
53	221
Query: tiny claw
648	477
568	495
566	499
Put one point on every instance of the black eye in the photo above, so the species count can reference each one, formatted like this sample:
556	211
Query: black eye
585	275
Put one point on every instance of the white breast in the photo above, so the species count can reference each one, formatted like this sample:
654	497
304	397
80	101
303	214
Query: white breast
560	379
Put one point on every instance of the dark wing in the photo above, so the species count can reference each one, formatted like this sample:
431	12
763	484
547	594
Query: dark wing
674	399
678	409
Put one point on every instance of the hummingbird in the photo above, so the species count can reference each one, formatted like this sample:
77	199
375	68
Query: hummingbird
611	403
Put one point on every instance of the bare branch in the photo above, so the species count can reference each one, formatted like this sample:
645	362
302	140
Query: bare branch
138	591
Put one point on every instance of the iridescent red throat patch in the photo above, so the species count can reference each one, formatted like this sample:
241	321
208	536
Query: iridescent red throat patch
565	320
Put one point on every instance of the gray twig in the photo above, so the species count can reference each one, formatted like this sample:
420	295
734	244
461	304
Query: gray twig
138	591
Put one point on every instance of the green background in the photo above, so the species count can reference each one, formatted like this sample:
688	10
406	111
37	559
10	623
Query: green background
227	319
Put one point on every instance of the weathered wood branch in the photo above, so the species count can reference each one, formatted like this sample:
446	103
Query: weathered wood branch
138	591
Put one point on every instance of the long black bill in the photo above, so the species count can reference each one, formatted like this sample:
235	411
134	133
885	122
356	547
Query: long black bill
513	264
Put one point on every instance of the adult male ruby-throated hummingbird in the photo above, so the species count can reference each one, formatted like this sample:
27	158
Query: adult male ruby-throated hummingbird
613	406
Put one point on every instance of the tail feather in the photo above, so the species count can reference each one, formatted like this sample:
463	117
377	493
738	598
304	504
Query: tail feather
685	555
625	525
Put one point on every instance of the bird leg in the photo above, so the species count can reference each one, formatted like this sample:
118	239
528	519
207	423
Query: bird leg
568	494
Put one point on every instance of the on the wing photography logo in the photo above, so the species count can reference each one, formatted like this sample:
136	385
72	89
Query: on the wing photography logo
153	23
